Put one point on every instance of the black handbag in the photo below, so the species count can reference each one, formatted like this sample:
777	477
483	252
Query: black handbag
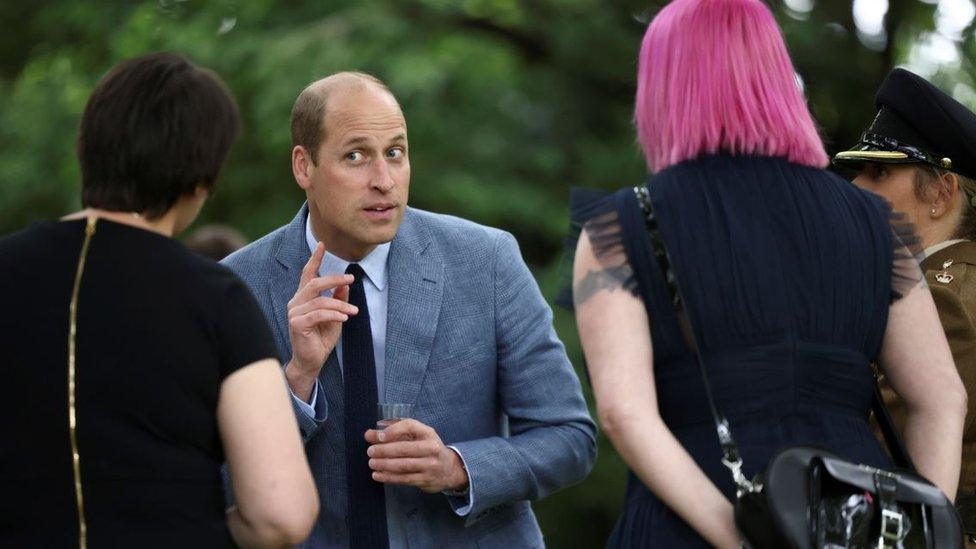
808	497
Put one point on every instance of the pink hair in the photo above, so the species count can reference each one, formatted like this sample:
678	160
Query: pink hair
714	75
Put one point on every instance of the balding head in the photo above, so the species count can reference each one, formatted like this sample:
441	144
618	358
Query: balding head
308	125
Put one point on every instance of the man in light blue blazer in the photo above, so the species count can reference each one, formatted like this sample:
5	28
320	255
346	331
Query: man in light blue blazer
373	301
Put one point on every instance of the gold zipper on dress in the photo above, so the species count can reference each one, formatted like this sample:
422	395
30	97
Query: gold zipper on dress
72	415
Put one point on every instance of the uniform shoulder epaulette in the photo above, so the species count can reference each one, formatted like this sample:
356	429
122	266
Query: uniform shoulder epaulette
944	276
949	273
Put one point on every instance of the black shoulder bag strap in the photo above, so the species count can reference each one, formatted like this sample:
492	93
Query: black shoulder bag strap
730	450
893	440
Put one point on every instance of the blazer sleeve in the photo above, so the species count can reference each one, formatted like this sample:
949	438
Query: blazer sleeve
552	442
311	416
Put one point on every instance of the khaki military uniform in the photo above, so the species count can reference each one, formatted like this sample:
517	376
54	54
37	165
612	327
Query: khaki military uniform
951	276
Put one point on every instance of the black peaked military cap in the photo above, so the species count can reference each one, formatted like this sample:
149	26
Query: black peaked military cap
916	123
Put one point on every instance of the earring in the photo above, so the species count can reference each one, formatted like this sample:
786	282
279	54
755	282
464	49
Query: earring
932	212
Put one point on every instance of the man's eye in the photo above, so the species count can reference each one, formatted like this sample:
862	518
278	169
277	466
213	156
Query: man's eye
354	156
395	153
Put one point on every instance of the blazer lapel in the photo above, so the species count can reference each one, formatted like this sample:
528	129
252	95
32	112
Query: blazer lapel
416	286
292	255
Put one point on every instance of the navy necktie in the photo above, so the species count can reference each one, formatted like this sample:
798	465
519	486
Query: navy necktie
366	514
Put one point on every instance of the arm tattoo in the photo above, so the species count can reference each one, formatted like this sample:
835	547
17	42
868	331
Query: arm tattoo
609	279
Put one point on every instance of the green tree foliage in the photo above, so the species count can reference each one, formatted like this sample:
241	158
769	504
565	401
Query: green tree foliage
508	103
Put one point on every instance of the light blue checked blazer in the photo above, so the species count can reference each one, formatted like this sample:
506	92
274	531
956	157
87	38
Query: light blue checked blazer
470	342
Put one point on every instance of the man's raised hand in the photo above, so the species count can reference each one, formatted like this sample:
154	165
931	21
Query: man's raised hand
315	323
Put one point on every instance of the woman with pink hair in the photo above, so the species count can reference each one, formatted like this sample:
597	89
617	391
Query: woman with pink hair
792	280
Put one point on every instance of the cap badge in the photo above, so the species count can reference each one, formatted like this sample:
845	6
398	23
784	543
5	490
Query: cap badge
943	276
946	163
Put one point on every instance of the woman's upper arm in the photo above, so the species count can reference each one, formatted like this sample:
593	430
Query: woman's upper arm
265	456
914	354
615	332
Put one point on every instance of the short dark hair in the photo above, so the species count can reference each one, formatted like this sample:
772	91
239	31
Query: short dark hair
155	128
308	113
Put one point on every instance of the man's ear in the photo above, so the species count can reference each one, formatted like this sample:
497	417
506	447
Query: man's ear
301	166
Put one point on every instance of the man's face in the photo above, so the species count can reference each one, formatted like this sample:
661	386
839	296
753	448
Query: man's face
896	183
358	187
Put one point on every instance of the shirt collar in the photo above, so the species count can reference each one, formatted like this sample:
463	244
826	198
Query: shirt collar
374	264
940	246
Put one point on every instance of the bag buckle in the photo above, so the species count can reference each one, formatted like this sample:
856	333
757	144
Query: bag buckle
892	521
742	484
892	528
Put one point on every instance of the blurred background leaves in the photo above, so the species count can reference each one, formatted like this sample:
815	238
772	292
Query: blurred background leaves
508	103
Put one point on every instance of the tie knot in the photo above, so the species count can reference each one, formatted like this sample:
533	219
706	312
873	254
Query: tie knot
355	270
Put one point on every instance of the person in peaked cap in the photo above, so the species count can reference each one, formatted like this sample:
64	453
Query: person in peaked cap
920	154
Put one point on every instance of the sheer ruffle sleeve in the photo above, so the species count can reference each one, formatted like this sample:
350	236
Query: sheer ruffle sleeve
596	213
906	273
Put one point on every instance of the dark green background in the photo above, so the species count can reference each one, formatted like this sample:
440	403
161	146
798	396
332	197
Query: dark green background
508	103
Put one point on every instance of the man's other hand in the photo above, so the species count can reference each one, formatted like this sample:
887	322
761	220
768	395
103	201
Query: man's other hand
410	453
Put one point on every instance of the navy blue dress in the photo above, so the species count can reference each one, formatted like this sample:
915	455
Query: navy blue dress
787	273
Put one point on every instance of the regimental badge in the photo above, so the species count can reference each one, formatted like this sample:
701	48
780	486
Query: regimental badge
943	276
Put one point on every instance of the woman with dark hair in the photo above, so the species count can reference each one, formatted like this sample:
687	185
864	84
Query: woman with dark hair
787	274
132	367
